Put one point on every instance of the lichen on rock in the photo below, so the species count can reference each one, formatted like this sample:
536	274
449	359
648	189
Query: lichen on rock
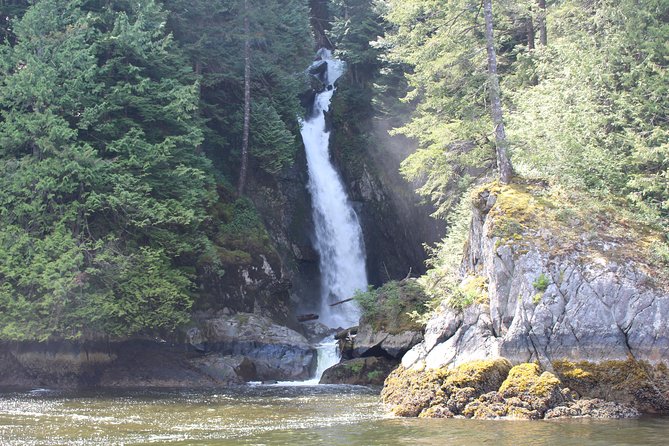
637	383
488	390
410	392
555	294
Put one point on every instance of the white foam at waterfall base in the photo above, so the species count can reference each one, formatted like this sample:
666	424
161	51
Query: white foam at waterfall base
339	239
327	355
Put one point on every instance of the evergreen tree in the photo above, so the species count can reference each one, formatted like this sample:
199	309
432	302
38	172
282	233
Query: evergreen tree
102	190
280	48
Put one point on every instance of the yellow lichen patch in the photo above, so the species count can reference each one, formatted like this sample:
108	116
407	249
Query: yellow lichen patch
570	371
528	215
484	375
640	384
528	379
408	392
475	289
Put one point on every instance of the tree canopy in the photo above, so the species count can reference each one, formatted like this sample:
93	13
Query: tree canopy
107	110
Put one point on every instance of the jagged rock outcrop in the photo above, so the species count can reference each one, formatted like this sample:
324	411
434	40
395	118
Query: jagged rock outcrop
131	363
219	351
558	289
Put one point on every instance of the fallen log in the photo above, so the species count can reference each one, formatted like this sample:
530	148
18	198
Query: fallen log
307	317
341	302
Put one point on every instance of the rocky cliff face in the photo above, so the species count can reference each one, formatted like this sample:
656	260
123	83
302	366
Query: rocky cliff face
558	290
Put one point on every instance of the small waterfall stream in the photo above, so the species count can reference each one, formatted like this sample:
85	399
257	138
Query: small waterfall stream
339	240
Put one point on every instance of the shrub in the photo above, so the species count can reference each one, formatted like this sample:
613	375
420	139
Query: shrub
541	283
392	306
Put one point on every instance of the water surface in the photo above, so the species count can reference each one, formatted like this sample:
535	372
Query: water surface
277	415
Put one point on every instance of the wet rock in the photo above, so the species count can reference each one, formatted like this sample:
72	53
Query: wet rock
437	411
276	351
359	371
409	392
460	398
227	369
593	408
316	331
639	384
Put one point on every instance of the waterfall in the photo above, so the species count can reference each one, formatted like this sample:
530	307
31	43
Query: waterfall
339	239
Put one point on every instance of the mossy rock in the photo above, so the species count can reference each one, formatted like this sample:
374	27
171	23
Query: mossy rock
642	385
527	379
484	376
526	382
408	392
438	411
488	406
529	214
359	371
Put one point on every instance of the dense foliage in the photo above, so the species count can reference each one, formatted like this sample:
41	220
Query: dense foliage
586	110
584	89
395	307
107	110
121	127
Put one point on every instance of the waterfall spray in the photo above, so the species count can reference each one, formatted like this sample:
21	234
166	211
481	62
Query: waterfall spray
339	239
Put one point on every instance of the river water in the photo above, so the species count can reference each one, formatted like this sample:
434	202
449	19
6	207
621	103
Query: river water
277	415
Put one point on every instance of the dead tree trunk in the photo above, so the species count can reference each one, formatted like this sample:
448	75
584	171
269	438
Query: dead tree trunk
543	34
530	33
247	101
501	143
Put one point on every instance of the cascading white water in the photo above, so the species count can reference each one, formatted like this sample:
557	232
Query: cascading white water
339	239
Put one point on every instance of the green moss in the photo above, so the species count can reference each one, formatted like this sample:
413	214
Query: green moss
472	290
374	375
527	216
355	367
537	298
240	229
242	318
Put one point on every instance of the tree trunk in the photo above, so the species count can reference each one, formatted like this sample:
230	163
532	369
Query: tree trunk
543	35
501	143
530	33
247	101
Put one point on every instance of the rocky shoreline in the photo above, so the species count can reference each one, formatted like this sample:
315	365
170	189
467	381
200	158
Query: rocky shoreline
492	389
216	351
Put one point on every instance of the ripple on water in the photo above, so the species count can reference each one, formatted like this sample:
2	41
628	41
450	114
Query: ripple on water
298	416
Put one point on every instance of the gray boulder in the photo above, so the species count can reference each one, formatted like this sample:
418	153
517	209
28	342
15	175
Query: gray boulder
359	371
277	352
370	342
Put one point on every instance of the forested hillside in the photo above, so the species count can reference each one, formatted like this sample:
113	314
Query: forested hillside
126	128
120	150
